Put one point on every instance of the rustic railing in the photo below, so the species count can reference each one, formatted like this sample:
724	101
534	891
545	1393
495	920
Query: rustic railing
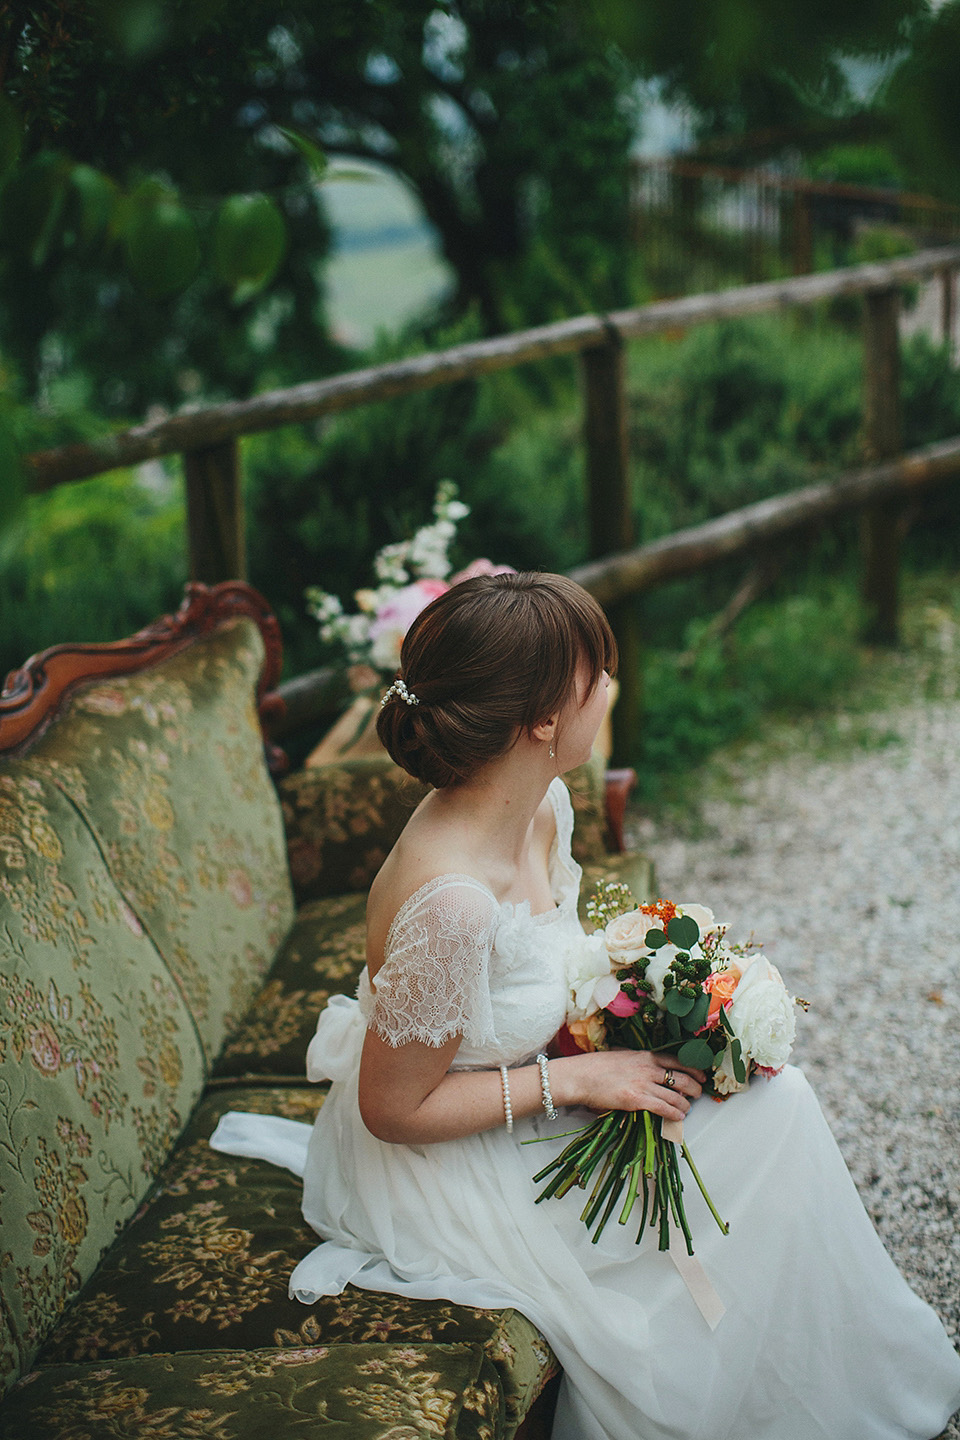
677	203
209	440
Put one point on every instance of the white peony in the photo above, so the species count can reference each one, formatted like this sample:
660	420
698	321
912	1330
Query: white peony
762	1015
587	963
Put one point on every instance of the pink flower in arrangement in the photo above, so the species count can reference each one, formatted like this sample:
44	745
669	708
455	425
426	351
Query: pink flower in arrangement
481	567
394	619
622	1005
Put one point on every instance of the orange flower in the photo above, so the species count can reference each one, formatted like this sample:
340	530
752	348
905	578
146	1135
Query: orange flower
720	985
587	1034
662	910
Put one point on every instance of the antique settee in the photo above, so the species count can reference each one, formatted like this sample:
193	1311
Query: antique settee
172	919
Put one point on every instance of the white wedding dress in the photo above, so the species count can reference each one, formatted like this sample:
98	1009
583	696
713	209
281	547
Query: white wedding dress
821	1339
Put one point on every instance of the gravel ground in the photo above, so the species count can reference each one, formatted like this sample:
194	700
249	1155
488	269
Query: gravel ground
847	868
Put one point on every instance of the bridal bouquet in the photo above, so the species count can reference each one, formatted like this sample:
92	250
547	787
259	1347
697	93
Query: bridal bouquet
662	977
408	576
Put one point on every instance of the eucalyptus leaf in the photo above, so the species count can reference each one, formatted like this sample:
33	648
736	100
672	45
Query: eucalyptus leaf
736	1055
683	932
673	1026
698	1015
696	1053
676	1004
654	939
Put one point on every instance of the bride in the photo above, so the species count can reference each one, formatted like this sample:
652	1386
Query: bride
796	1325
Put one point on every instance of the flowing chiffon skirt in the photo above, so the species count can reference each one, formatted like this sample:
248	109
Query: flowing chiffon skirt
821	1339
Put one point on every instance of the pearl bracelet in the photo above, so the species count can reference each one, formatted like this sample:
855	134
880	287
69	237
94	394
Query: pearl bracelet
548	1104
507	1107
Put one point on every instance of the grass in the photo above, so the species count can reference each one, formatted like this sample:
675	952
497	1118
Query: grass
856	702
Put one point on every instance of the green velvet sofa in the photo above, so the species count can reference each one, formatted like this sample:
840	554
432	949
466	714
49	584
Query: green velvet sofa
172	919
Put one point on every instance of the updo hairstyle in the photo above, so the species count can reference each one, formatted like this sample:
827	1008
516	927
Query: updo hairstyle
488	659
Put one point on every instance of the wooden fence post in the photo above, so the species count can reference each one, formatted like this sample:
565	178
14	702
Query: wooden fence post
948	301
611	518
216	535
883	434
802	234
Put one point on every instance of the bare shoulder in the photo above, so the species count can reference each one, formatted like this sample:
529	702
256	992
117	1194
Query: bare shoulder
424	852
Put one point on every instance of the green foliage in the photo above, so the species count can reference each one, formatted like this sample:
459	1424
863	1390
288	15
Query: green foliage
795	653
94	560
922	102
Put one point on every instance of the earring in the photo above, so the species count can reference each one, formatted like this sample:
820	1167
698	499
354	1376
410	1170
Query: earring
552	751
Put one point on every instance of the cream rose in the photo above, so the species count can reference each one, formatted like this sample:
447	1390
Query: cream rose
703	916
625	937
762	1015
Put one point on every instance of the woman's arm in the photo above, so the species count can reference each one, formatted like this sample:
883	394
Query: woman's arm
409	1096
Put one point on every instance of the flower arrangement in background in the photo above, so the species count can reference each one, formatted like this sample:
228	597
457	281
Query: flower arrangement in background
409	575
663	978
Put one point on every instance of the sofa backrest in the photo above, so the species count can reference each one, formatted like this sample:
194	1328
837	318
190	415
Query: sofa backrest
143	893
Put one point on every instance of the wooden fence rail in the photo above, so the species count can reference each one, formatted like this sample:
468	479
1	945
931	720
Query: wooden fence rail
208	439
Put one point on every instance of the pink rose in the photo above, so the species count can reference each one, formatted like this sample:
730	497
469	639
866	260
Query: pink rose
481	567
395	617
622	1005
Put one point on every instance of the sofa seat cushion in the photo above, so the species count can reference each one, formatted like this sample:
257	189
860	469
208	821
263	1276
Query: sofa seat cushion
209	1257
401	1391
166	766
322	955
100	1063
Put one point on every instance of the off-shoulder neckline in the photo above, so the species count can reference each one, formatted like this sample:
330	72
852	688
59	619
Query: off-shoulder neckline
512	907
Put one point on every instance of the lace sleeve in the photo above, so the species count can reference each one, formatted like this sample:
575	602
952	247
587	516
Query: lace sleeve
434	980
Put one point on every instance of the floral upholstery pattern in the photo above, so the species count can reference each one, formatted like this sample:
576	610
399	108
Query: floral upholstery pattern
343	819
100	1064
166	767
209	1256
322	956
368	1392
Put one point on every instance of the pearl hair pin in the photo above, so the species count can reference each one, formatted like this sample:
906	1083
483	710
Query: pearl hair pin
398	688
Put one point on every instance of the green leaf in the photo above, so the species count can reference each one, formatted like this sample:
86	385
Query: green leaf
654	939
162	246
683	932
31	204
310	151
736	1055
676	1004
696	1053
11	134
96	195
673	1026
249	242
698	1015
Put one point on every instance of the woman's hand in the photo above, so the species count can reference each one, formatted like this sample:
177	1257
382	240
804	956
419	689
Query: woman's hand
626	1080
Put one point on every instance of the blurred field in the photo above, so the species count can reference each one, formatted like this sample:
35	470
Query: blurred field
385	268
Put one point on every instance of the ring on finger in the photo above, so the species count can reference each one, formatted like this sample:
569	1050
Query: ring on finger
668	1080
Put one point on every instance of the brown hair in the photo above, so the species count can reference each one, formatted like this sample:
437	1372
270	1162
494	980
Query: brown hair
491	657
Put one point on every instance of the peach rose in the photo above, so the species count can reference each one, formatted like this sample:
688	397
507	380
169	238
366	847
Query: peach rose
720	986
587	1034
